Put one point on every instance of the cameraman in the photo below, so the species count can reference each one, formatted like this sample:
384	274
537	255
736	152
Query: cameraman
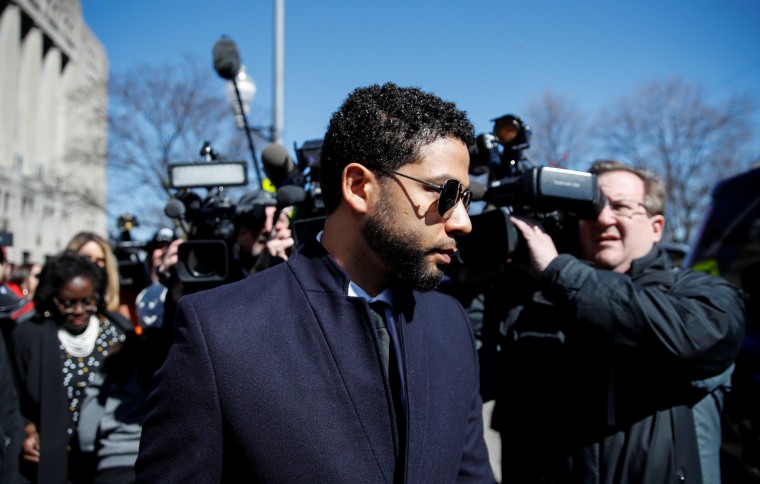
262	241
615	366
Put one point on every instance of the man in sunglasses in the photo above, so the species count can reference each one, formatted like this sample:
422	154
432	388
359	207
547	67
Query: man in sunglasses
616	362
342	364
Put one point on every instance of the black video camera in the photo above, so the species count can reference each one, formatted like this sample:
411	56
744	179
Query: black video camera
555	198
130	256
206	258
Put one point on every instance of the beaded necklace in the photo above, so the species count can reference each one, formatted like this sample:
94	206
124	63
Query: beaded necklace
80	345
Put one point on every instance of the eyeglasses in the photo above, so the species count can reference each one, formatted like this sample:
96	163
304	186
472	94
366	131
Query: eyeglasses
452	191
89	304
627	208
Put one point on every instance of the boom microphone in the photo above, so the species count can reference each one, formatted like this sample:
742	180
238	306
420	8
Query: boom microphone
290	195
278	165
226	59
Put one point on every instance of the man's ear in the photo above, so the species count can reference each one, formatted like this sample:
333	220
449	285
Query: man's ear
359	185
658	225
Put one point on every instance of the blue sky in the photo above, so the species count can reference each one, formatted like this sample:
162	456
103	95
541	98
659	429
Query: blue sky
489	57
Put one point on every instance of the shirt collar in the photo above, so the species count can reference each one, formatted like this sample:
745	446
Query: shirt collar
355	291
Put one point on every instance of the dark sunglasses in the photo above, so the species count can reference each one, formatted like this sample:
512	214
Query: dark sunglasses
88	303
452	191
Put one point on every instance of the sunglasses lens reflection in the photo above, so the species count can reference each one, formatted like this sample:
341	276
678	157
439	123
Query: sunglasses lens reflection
449	197
466	199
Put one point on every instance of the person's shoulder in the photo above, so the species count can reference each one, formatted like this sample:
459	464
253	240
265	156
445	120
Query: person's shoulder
690	278
687	274
438	302
34	324
436	295
258	284
31	329
153	291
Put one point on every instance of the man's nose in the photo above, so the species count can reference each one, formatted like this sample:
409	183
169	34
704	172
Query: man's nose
606	216
459	223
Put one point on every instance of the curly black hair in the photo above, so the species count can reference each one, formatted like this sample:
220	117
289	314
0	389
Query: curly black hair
60	269
386	126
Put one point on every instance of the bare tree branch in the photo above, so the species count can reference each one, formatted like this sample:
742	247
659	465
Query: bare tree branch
161	115
559	130
669	127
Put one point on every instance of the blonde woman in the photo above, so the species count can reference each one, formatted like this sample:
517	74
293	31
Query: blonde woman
99	251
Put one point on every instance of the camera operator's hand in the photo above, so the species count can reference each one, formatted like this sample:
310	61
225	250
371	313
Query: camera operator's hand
281	238
540	246
281	244
167	270
168	265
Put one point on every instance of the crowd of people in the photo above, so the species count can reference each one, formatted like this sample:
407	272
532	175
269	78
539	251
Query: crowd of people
71	319
341	358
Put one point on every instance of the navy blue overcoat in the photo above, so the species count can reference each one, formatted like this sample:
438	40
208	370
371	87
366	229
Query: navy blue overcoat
278	379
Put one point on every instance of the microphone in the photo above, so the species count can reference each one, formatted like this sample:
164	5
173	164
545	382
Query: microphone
289	195
286	196
226	59
278	165
174	208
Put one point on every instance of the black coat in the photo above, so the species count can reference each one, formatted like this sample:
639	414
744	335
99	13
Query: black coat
38	365
11	424
278	378
598	382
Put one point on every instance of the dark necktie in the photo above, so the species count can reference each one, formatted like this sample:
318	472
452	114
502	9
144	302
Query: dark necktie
389	356
377	311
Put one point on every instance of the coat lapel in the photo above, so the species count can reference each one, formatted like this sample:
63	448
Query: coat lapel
415	351
351	341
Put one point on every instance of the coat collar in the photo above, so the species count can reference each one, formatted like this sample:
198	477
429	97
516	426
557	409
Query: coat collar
317	271
656	260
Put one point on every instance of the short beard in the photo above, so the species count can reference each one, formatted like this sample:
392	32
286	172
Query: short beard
402	257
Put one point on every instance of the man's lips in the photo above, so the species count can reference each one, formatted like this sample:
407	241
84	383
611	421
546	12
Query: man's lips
607	238
446	254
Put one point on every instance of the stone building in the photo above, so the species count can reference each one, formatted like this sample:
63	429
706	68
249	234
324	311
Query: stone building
53	127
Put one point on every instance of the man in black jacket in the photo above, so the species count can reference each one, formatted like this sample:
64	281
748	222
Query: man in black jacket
609	360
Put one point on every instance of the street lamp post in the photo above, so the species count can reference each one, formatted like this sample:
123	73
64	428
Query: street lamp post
278	115
247	89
